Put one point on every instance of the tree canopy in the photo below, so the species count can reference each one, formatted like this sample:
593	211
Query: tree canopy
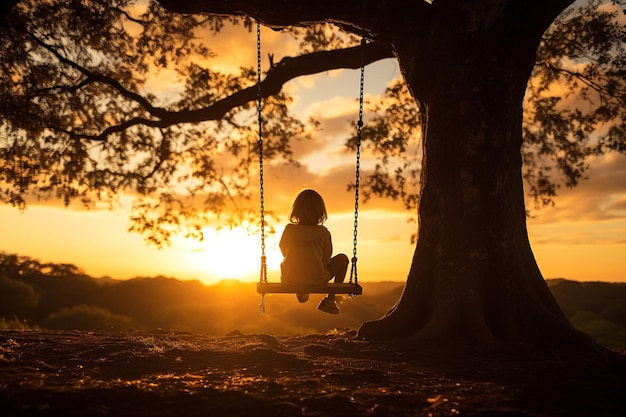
81	120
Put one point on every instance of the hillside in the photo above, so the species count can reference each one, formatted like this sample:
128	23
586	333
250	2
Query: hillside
61	297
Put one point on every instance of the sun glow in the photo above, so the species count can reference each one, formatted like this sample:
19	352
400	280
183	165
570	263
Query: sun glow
232	253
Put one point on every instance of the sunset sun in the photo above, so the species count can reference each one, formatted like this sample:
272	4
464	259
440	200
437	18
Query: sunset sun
231	253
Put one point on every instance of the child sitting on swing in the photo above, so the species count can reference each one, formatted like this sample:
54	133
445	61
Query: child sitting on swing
307	248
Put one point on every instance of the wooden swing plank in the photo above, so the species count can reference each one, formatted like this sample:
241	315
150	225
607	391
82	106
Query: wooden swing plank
330	288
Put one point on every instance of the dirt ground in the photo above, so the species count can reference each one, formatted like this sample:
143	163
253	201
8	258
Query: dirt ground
56	373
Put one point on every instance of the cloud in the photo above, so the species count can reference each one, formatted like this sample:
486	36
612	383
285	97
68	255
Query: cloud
306	82
619	205
337	117
236	47
601	197
572	235
333	108
284	182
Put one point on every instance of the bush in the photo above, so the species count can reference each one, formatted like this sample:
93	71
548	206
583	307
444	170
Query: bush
603	331
17	298
88	318
616	313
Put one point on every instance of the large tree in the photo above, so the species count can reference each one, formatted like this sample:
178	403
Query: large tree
466	66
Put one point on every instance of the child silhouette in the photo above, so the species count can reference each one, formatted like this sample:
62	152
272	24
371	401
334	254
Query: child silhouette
307	247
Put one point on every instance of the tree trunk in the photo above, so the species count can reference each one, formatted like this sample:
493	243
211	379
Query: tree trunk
473	273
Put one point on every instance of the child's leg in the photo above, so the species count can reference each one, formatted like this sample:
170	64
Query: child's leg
338	267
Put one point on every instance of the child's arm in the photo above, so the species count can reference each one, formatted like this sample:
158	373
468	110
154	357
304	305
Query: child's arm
283	244
328	249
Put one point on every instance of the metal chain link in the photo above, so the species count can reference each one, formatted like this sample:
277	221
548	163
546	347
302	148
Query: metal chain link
353	271
259	106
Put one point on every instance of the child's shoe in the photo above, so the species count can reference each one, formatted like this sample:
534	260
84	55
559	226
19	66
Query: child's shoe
328	306
303	298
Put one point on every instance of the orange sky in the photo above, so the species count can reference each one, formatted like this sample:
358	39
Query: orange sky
582	238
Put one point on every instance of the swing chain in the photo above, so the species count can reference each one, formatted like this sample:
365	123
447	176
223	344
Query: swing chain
259	106
353	271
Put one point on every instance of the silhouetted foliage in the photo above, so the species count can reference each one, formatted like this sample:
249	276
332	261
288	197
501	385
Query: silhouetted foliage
81	121
57	285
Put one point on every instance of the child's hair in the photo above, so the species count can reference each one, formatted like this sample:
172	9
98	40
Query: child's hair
308	209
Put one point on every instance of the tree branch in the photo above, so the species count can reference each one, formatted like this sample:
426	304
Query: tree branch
601	89
287	69
95	77
374	16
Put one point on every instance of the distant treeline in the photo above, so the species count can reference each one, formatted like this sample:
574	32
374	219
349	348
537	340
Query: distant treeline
61	296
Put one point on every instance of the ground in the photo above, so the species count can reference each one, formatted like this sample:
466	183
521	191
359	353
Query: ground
160	373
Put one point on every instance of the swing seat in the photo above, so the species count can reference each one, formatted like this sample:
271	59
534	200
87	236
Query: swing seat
330	288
